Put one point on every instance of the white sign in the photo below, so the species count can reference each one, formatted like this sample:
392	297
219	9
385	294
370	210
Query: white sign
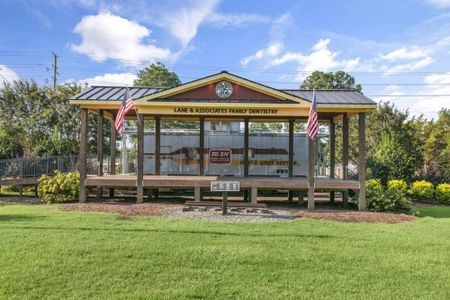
225	186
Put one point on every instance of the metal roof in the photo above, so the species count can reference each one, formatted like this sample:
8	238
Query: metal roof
332	96
115	93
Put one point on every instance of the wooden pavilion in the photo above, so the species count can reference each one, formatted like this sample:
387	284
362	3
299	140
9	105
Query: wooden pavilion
223	97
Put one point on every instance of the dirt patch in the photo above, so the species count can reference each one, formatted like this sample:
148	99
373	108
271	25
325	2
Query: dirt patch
125	209
356	216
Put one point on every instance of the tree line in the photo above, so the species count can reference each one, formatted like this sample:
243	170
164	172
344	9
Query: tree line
39	121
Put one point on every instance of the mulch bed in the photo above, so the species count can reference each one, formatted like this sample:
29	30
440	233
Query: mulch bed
167	209
124	209
356	216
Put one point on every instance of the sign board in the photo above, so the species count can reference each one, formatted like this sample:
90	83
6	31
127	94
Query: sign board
220	156
225	186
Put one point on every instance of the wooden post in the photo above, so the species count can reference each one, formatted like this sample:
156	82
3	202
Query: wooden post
246	146
311	204
254	195
362	160
83	153
224	203
345	156
246	160
197	194
332	138
291	155
157	145
202	147
140	159
112	150
100	142
291	148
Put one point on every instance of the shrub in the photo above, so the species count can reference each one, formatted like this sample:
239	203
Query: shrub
391	199
398	185
7	189
443	192
422	190
59	187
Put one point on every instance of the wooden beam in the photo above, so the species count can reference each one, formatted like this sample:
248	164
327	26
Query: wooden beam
254	195
291	148
83	153
100	142
113	152
362	161
311	204
332	138
202	146
197	194
157	145
140	159
246	146
345	156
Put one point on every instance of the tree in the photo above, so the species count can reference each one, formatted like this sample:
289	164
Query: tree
157	75
394	141
437	149
338	80
35	117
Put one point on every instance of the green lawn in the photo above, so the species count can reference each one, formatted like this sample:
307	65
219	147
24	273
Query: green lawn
434	211
49	254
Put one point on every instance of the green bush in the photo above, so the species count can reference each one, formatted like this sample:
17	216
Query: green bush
391	199
443	192
59	187
398	185
8	189
422	190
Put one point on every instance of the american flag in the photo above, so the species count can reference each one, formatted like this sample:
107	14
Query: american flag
312	127
125	106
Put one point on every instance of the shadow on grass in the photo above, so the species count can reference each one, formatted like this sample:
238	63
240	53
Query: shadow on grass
182	231
434	211
14	217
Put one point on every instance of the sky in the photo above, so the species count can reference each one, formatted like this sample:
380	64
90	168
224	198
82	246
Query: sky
399	50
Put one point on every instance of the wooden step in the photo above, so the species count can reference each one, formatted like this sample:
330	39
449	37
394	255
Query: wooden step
230	204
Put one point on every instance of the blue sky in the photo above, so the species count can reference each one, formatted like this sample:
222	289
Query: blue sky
398	49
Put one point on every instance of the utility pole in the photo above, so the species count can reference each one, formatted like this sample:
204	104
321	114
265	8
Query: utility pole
55	69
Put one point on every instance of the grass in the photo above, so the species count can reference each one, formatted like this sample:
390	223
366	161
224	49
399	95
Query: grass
434	211
45	253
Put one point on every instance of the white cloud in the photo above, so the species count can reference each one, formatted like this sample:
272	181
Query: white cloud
110	79
427	101
439	3
275	46
183	22
223	20
271	51
321	58
106	36
7	75
403	53
412	66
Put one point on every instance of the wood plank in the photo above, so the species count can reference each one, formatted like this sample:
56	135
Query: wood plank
311	203
83	153
291	148
230	204
202	146
19	181
362	161
332	154
246	146
345	156
112	151
254	195
100	142
157	145
140	159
